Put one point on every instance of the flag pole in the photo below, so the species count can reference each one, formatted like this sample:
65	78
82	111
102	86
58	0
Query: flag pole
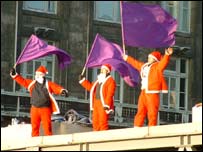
83	70
87	46
121	12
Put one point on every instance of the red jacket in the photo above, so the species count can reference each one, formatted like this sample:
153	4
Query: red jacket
51	87
155	79
106	92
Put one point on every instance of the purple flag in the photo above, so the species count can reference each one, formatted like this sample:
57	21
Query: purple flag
36	48
105	52
148	26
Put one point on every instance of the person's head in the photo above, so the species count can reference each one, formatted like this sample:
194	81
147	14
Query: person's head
40	74
155	56
105	68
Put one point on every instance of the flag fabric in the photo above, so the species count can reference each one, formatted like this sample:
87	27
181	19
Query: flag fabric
148	26
105	52
36	48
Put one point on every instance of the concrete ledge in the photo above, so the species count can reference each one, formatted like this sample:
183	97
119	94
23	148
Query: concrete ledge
177	135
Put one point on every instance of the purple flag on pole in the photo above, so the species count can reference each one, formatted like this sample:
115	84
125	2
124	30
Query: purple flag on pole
148	26
36	48
105	52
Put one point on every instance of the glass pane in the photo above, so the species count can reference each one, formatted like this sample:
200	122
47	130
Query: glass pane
117	78
105	10
185	23
165	99
173	84
182	100
37	64
117	13
98	71
182	66
182	85
129	95
172	65
38	5
117	93
185	4
49	68
30	67
172	99
51	6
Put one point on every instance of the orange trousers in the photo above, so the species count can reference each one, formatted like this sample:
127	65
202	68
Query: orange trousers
148	105
38	115
99	117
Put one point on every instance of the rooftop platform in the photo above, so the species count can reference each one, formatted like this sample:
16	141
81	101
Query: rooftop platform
181	136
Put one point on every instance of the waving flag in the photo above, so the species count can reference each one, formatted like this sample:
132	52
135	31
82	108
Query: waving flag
36	48
103	52
147	26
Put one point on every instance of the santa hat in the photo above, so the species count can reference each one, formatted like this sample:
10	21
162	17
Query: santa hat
42	69
155	55
107	67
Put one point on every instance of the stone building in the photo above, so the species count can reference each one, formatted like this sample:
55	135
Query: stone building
72	26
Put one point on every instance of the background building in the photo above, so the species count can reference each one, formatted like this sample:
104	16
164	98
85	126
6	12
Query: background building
72	26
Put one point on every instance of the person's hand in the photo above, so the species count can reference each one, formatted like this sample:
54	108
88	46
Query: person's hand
169	51
125	57
198	105
80	77
106	108
64	93
13	71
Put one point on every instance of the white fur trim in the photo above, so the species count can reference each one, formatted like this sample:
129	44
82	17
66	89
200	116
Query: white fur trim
105	67
101	93
41	73
81	81
150	55
109	111
53	99
31	84
13	76
156	91
91	94
125	57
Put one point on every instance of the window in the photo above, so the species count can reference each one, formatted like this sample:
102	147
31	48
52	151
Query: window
176	77
28	68
130	94
181	11
108	11
40	6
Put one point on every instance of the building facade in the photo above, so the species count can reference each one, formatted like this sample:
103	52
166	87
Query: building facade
72	26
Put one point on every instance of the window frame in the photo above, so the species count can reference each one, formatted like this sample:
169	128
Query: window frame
178	14
45	10
116	8
177	75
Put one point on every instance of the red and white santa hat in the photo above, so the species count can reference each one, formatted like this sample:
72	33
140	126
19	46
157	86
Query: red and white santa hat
42	69
155	55
107	67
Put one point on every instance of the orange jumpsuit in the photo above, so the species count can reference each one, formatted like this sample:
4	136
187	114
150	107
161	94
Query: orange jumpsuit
107	90
43	113
154	83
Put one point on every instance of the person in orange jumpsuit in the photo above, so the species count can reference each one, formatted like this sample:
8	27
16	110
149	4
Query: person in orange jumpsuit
101	97
43	103
152	83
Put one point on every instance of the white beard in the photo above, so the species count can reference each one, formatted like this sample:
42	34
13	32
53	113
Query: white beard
39	79
101	77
